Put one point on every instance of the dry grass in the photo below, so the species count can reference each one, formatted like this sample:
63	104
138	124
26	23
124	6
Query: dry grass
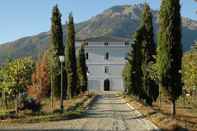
161	116
47	107
73	108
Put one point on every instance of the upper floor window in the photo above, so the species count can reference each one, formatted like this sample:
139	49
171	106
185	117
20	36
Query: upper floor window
106	43
86	55
107	56
106	69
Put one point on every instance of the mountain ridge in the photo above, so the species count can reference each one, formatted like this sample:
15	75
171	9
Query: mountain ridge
117	21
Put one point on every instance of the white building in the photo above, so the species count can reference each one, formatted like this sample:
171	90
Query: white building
105	58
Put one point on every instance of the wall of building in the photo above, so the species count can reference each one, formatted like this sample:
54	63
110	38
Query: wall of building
97	63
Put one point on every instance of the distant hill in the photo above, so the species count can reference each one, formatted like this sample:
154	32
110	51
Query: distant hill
120	21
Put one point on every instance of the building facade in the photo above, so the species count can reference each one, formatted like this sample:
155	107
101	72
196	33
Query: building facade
105	58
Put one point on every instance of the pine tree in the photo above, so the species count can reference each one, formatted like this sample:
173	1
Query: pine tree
170	50
71	59
82	69
149	52
56	49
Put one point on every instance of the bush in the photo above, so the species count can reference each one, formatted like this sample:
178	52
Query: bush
30	104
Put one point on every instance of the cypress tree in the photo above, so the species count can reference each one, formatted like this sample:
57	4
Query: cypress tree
71	67
56	49
125	76
149	44
56	30
149	52
141	58
82	69
170	50
132	73
137	74
128	76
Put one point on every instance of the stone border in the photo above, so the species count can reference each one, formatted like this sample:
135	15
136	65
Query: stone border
89	103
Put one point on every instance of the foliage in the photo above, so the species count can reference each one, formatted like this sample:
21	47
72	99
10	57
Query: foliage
169	49
82	69
30	104
56	48
129	73
56	29
5	85
125	76
190	70
148	52
17	74
71	67
137	64
139	72
40	80
132	73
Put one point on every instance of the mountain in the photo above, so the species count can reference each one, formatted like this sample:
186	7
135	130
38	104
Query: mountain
118	21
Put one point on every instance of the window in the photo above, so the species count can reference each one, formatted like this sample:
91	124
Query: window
87	56
126	43
87	70
106	43
106	69
126	56
107	56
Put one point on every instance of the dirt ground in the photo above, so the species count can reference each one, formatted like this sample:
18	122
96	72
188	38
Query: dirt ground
108	113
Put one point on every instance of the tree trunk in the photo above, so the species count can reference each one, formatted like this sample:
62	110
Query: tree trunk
52	92
17	101
3	99
173	108
160	99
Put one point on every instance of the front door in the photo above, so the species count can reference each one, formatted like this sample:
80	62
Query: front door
106	85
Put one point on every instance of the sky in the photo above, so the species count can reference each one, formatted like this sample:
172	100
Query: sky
19	18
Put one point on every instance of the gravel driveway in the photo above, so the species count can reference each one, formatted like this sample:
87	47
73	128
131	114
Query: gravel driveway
108	113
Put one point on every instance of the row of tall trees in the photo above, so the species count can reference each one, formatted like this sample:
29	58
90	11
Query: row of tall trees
147	68
74	67
141	60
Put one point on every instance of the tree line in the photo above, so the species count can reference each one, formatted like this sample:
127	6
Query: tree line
150	69
75	68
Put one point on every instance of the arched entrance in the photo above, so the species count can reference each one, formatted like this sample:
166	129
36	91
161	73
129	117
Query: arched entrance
106	85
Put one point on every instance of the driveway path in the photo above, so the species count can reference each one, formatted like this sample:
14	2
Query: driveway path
108	113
